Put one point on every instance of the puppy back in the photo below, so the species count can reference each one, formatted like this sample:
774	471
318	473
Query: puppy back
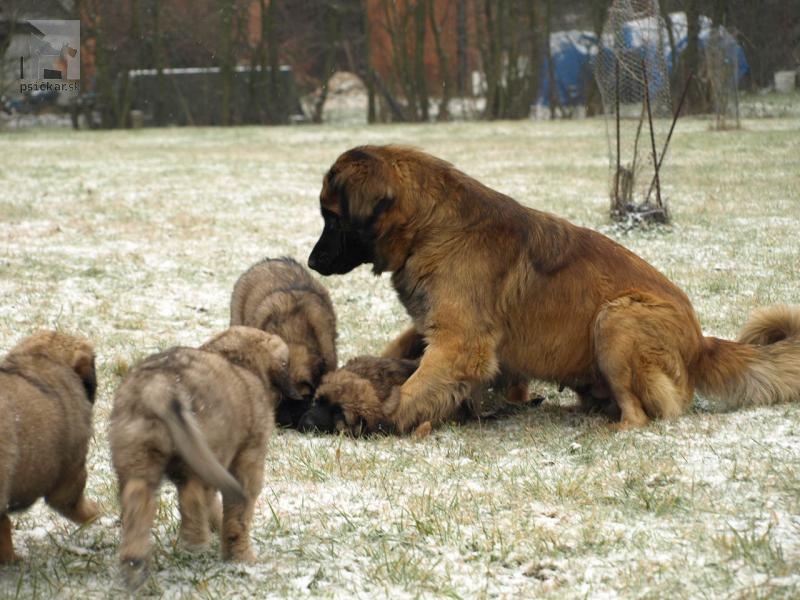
280	296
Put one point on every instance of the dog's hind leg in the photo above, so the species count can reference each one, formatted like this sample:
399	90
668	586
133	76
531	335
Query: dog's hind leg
248	469
68	498
194	509
638	350
7	554
138	512
214	510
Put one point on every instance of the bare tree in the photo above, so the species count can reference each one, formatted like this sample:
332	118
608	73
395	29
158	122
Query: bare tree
508	41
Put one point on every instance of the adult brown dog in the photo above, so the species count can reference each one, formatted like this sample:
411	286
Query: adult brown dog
278	295
491	283
202	417
47	388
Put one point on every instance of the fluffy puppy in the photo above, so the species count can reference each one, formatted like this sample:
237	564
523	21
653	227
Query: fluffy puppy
351	399
201	417
280	296
47	388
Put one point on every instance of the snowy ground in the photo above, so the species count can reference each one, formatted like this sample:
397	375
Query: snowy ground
135	240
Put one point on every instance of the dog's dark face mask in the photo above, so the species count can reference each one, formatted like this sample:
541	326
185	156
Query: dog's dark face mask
348	239
341	247
322	417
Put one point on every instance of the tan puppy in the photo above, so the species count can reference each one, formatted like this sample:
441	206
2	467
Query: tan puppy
493	286
352	398
280	296
201	417
47	388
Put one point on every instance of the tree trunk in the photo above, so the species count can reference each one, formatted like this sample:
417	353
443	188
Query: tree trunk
551	75
462	44
366	74
420	79
534	54
696	99
444	66
226	60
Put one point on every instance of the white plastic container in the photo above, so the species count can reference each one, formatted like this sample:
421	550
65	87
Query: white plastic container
785	81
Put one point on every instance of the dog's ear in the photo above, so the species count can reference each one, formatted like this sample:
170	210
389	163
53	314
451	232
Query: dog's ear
83	365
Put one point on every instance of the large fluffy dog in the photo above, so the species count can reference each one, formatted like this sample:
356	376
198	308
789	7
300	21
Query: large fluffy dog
490	284
47	388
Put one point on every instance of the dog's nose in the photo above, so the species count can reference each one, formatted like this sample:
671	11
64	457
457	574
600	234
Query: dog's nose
313	262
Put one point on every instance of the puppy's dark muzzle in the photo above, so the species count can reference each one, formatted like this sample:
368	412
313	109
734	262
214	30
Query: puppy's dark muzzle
319	419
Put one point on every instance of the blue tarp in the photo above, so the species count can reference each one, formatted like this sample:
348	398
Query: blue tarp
574	52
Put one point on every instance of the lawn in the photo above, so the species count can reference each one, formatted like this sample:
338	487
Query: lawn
135	238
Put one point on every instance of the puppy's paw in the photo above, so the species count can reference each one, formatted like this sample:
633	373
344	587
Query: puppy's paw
627	425
246	556
89	511
134	573
423	430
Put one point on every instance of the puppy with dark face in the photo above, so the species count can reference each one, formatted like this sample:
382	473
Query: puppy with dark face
47	388
279	296
494	286
352	398
201	417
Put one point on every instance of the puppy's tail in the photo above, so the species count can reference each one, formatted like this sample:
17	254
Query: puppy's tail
762	367
193	448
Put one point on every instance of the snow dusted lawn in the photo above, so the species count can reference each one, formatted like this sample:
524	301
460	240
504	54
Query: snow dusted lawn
136	238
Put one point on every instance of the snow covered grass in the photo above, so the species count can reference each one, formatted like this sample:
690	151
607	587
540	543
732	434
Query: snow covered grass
136	238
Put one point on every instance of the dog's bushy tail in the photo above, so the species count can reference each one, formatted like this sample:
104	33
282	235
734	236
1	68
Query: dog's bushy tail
762	367
193	448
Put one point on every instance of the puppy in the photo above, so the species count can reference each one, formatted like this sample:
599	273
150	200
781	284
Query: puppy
47	388
352	399
278	295
201	417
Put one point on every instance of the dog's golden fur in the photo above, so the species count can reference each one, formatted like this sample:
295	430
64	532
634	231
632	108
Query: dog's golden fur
280	296
47	388
490	283
202	417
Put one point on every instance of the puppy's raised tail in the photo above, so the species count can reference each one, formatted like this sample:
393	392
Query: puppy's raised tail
762	367
193	448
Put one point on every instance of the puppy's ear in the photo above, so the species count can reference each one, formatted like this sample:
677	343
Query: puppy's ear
83	365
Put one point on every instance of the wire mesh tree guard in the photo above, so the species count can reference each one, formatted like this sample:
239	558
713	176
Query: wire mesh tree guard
633	78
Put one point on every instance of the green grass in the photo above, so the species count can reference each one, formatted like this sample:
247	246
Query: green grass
135	239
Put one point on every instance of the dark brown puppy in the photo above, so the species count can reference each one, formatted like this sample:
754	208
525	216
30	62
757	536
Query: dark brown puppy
280	296
491	283
352	398
47	388
201	417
